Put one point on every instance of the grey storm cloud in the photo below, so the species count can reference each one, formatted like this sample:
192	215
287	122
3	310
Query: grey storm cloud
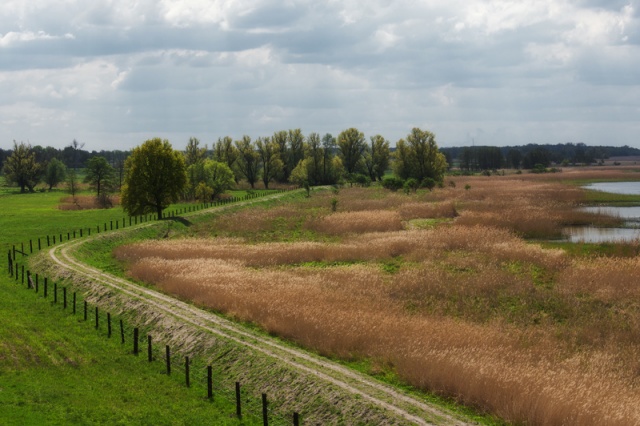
111	73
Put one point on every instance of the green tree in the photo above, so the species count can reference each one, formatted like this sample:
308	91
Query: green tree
328	150
72	184
100	175
315	154
419	157
248	160
218	176
155	177
351	146
300	174
56	172
295	139
225	152
269	153
376	157
193	153
21	167
280	138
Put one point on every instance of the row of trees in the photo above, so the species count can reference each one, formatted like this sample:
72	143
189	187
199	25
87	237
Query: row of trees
286	157
289	156
156	175
528	156
23	169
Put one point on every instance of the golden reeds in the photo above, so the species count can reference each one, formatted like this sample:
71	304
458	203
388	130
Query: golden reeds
467	309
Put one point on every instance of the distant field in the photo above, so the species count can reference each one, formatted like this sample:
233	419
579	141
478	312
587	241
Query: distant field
441	289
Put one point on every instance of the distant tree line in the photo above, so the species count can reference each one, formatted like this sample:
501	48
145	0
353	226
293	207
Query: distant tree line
478	158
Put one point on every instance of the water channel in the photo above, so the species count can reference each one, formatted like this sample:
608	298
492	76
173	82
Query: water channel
631	215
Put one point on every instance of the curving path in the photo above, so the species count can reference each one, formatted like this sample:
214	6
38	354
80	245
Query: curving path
386	397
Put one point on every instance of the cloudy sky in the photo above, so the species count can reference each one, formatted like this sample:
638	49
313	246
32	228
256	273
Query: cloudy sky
113	73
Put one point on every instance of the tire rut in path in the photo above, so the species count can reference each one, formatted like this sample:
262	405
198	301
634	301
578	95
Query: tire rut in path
350	381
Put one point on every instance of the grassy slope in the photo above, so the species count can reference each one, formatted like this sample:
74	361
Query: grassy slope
57	370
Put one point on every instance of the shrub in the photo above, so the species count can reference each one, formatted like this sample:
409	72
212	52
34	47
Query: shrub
428	183
392	183
411	184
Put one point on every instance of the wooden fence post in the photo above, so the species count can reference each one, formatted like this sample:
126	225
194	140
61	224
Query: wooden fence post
68	236
209	382
97	318
22	274
48	241
238	401
186	371
135	341
74	303
10	263
108	324
39	244
64	297
36	283
30	246
121	332
85	310
45	287
55	292
167	352
80	232
74	234
54	240
265	412
149	348
296	419
28	279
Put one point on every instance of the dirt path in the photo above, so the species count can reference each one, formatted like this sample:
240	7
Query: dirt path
412	410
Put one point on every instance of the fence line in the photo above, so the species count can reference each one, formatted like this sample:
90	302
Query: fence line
193	372
51	240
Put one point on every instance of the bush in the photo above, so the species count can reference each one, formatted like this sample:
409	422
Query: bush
392	183
411	184
428	183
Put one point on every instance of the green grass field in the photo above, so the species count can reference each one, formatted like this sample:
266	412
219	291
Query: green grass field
57	369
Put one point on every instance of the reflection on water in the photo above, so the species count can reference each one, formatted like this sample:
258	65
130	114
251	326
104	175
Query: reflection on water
631	213
632	188
589	234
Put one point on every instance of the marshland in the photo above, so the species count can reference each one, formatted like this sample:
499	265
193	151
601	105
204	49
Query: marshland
468	291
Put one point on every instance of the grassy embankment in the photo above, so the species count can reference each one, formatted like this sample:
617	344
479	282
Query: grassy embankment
467	309
57	369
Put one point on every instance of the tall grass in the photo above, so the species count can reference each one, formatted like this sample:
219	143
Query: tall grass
468	309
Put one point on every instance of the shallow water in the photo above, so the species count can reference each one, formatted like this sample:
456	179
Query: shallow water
632	213
629	188
589	234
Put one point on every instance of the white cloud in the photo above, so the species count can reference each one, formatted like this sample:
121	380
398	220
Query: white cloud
117	70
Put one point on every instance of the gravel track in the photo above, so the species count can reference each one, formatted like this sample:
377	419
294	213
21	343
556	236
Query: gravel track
400	404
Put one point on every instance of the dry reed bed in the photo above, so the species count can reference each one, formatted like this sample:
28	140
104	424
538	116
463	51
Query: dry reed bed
361	311
472	311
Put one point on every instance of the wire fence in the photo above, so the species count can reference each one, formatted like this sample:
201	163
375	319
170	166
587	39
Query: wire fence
35	245
192	372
